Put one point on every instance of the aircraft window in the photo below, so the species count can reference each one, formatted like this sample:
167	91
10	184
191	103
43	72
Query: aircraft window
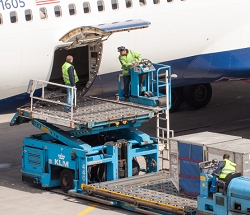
142	2
114	4
28	15
1	19
128	3
13	17
43	13
58	11
169	0
86	7
156	1
72	9
100	5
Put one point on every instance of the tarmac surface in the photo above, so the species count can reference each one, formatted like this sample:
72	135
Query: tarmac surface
227	113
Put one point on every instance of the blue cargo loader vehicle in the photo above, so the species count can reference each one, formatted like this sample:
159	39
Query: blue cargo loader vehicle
92	151
98	140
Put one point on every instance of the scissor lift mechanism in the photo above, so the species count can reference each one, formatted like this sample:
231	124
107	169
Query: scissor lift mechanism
117	119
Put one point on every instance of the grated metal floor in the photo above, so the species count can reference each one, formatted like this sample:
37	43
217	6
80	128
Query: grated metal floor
156	187
90	112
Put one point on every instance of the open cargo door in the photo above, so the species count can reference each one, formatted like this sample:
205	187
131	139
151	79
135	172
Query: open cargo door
87	35
89	39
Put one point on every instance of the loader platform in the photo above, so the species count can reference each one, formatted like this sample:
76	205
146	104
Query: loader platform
90	112
152	193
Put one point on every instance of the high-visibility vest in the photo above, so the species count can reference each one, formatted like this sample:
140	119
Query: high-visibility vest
128	60
65	73
228	168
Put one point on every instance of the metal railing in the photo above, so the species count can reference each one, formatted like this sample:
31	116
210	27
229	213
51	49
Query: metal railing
164	133
39	84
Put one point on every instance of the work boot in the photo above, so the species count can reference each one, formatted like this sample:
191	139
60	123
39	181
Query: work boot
69	110
146	94
151	94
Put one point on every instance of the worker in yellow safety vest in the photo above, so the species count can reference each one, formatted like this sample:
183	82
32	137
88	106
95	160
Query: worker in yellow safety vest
128	59
70	78
225	167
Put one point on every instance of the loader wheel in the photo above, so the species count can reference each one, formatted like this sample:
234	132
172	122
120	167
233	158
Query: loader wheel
66	180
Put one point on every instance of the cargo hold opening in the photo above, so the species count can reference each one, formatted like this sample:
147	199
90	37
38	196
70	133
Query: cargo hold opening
85	44
86	62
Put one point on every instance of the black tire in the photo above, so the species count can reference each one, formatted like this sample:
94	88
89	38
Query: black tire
176	98
198	95
67	180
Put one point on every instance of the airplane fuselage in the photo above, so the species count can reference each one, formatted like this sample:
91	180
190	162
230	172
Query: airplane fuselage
203	40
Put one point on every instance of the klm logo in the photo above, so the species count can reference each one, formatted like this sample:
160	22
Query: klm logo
60	161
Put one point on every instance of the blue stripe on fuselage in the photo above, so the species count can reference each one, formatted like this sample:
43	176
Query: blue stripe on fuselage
10	104
206	68
211	67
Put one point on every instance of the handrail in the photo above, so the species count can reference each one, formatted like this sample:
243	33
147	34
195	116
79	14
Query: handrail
167	77
33	86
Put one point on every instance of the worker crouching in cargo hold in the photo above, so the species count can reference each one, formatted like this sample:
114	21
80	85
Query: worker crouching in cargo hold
70	79
128	59
225	167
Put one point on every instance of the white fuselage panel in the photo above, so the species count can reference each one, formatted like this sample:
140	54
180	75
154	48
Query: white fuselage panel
178	29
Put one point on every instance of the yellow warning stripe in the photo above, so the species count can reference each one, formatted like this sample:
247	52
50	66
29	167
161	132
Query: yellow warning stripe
87	210
84	186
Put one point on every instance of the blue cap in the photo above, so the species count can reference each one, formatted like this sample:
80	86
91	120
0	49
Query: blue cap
121	48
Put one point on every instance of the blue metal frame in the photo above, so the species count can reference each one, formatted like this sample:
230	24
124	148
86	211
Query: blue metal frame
63	149
150	84
211	202
36	154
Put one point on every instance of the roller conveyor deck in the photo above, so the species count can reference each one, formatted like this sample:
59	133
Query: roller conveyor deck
91	112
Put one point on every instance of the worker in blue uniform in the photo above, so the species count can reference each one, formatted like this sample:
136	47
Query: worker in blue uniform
225	167
128	59
70	79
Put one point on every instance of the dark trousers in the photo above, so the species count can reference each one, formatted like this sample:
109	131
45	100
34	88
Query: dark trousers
126	82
